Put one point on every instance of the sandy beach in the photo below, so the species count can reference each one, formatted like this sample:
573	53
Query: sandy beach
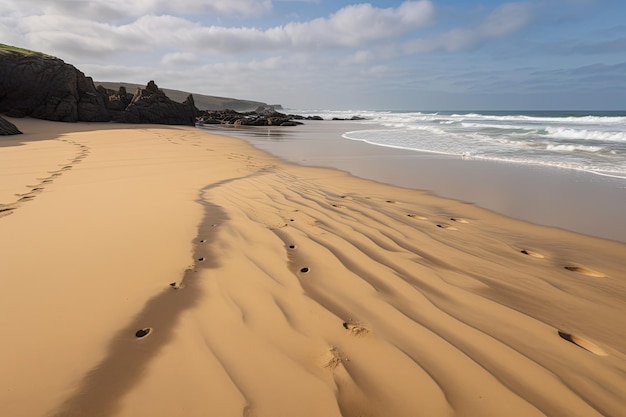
166	271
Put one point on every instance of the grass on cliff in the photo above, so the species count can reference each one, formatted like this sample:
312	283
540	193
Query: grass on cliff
24	51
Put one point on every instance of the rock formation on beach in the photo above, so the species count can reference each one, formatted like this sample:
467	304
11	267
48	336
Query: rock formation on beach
44	87
148	105
8	128
262	116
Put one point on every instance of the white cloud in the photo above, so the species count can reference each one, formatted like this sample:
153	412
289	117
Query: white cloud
352	26
179	58
504	20
118	10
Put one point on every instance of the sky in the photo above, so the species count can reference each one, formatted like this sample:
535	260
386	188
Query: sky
344	54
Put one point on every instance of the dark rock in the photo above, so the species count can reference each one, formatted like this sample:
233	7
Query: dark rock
263	116
352	118
8	128
45	87
151	105
118	100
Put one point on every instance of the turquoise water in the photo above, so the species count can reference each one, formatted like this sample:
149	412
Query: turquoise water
589	141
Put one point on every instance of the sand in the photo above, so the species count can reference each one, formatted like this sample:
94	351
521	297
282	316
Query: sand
165	271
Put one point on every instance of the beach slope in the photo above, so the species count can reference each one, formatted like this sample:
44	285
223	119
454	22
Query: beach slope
164	271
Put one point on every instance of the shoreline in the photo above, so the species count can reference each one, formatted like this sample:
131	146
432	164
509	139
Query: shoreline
578	201
296	290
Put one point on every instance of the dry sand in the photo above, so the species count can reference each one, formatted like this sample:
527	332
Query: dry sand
270	289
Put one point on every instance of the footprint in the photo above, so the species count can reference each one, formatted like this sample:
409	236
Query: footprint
333	358
532	253
585	271
391	201
583	343
143	332
355	328
304	270
458	220
291	246
415	216
446	226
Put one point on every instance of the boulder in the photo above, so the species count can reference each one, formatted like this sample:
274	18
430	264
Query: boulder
8	128
44	87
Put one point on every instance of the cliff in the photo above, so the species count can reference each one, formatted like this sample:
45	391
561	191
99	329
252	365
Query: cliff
45	87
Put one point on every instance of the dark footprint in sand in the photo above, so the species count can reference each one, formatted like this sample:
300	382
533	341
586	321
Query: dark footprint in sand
415	216
532	253
458	220
446	226
583	343
143	332
585	271
291	246
355	328
304	270
201	259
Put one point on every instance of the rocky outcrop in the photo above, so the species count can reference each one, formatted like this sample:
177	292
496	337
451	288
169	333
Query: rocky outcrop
8	128
351	118
45	87
151	105
260	117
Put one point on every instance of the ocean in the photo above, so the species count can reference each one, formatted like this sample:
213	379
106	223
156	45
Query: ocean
589	141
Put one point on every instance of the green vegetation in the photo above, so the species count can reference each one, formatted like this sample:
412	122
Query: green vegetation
4	47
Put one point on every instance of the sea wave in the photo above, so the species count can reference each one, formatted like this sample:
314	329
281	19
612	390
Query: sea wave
569	133
594	142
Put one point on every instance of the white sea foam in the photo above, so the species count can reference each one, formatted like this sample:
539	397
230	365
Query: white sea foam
593	143
568	133
573	148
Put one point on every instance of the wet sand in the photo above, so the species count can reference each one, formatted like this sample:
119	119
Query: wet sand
573	200
165	271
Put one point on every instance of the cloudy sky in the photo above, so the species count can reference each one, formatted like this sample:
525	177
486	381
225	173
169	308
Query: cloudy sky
344	54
